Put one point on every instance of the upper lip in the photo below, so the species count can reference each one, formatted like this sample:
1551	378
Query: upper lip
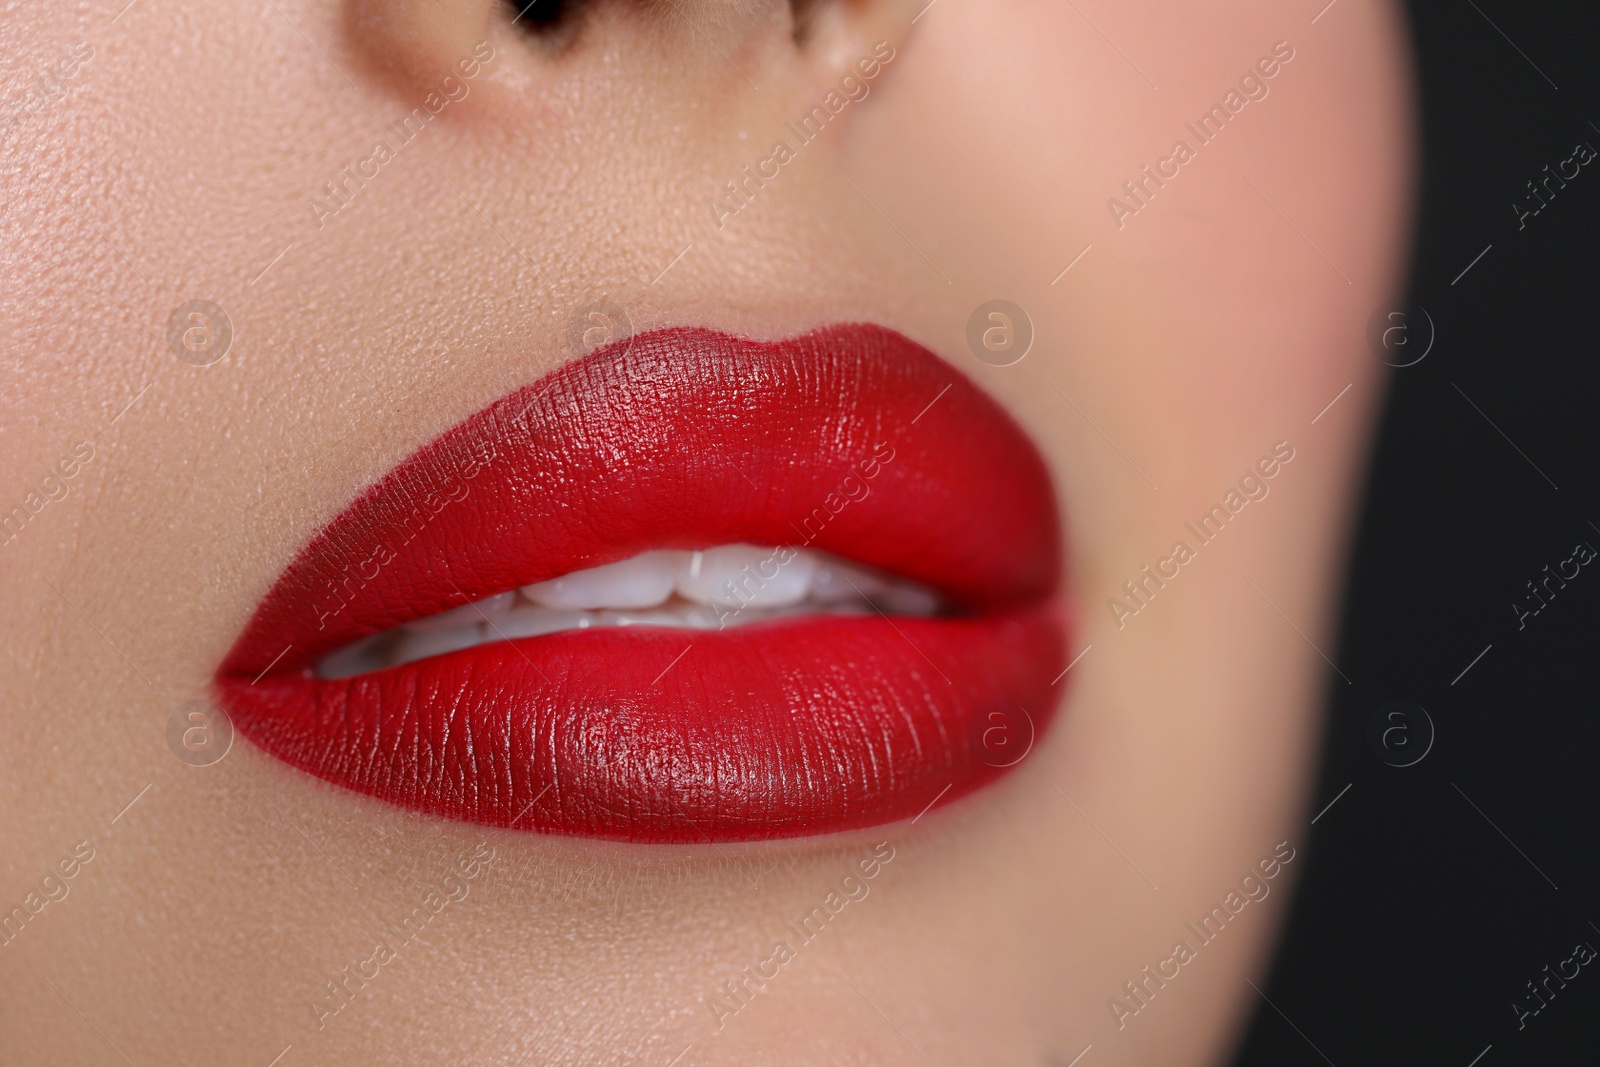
851	439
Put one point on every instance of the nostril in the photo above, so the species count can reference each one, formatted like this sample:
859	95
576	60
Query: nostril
554	23
803	15
545	18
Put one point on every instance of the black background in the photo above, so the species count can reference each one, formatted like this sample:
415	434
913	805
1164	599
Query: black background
1421	918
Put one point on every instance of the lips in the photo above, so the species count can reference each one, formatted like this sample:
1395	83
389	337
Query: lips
851	441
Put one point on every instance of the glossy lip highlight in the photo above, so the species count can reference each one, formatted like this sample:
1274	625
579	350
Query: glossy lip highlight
852	440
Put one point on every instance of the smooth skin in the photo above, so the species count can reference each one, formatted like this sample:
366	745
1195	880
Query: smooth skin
179	162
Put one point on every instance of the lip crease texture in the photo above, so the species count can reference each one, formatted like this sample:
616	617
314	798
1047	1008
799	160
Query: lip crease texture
852	440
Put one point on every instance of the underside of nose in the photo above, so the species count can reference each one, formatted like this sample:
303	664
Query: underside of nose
761	43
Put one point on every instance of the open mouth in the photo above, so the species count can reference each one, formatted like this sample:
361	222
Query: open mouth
710	590
690	587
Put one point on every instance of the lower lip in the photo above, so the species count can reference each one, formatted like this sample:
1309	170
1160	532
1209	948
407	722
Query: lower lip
794	727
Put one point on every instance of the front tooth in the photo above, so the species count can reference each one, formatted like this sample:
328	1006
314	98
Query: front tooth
536	622
735	575
465	615
836	583
641	582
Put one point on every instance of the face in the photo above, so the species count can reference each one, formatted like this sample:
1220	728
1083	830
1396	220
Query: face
484	369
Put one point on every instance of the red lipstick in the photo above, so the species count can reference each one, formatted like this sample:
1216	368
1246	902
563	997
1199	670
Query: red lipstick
851	440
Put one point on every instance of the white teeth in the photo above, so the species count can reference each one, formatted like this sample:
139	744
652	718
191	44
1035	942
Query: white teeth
680	615
641	582
530	621
903	599
835	583
415	645
467	614
360	657
728	576
730	585
735	575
